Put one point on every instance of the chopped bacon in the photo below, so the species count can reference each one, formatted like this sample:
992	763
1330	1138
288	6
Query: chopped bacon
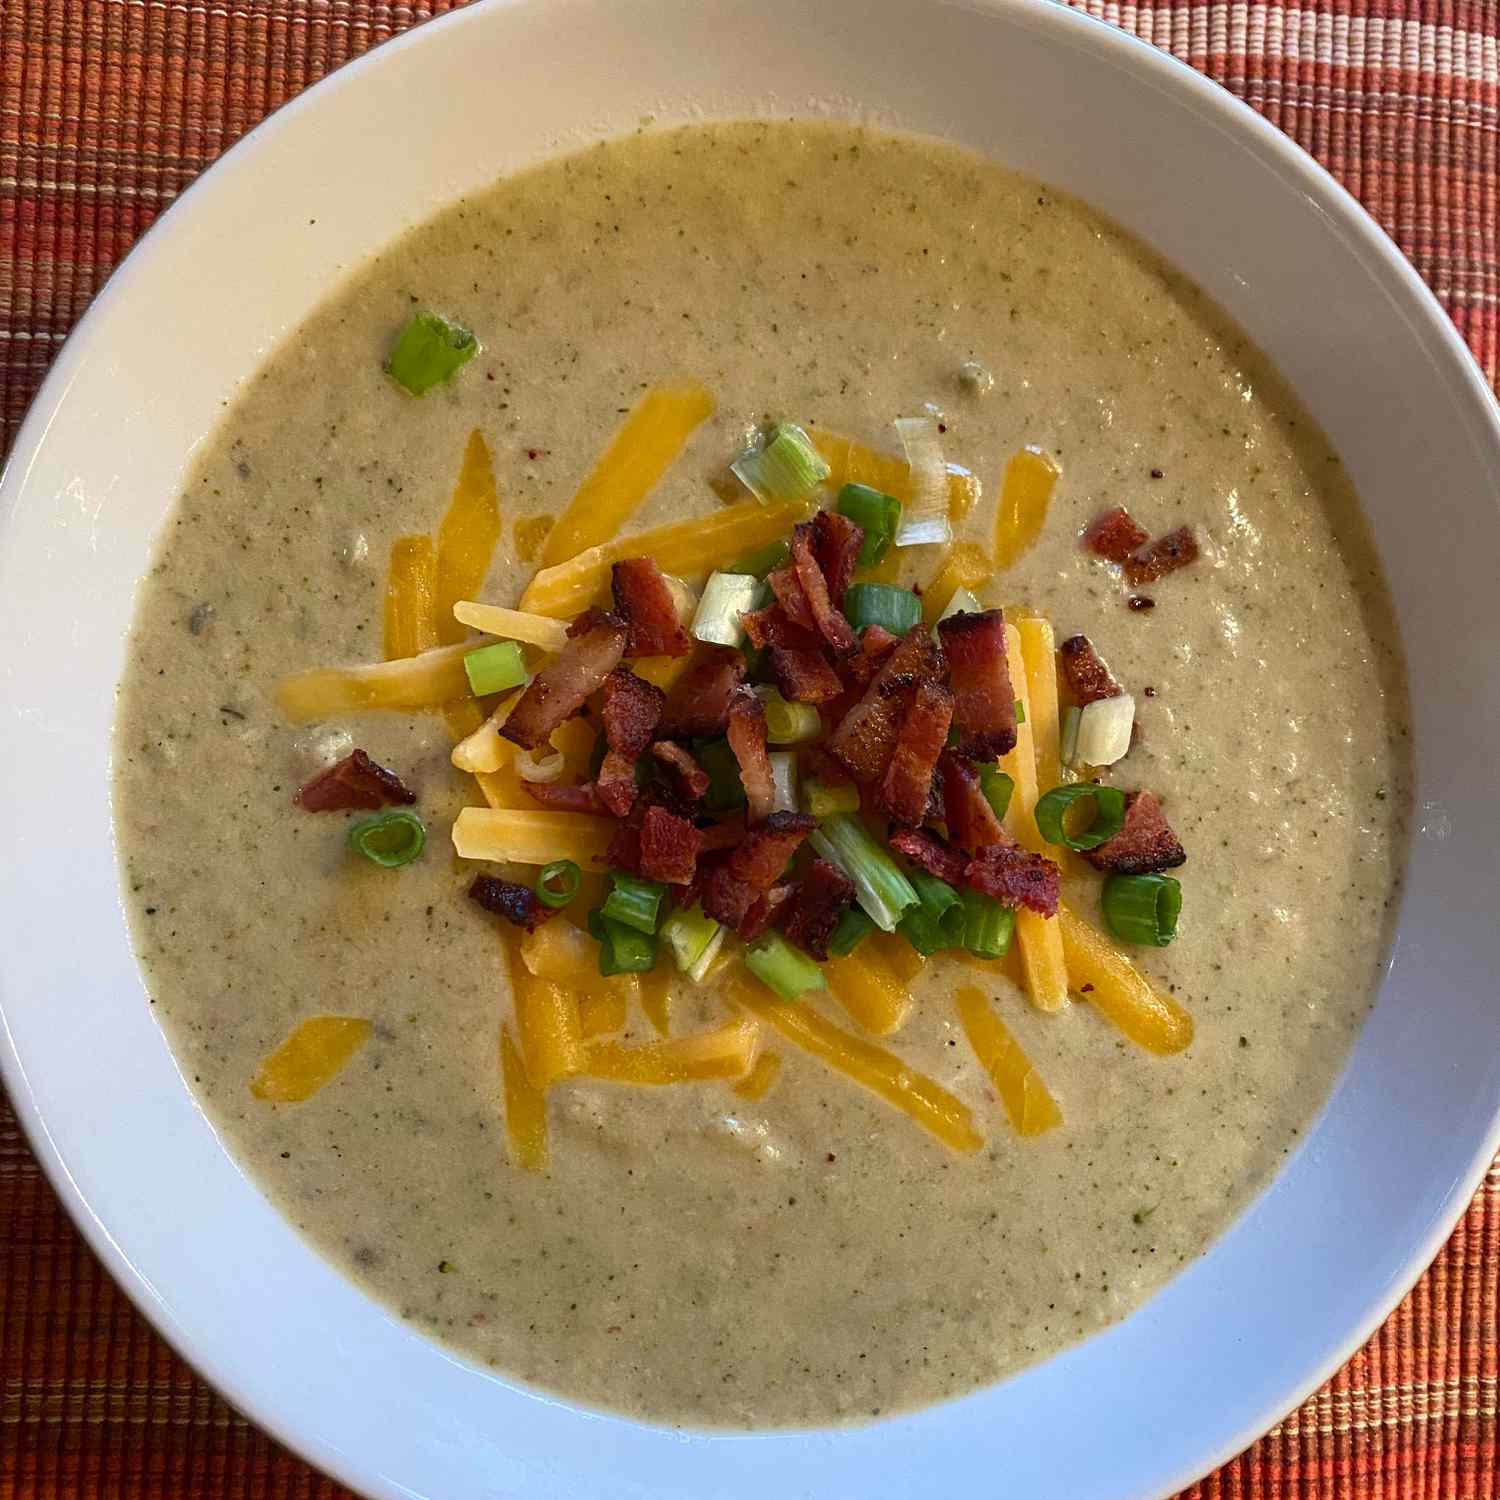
615	783
822	896
631	711
518	904
766	909
924	731
692	780
792	598
836	544
832	626
724	835
866	736
772	626
747	738
1087	677
804	676
875	644
560	689
930	853
624	852
648	607
699	701
734	886
591	619
583	798
1114	535
819	765
1145	843
669	847
984	703
966	810
1165	555
1015	877
356	783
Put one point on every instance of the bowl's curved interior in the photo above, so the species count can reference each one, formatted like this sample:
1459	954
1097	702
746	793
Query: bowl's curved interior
1244	1332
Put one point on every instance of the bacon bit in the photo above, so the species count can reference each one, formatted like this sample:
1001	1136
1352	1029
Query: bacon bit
747	738
1145	843
821	898
723	835
966	810
1114	535
930	853
356	783
803	676
1165	555
518	904
836	544
866	736
1141	601
984	703
669	847
733	887
766	910
772	626
1015	877
699	701
875	644
1155	474
1088	679
534	453
582	798
646	603
624	852
615	784
561	688
591	619
692	779
833	627
818	765
924	731
787	587
631	711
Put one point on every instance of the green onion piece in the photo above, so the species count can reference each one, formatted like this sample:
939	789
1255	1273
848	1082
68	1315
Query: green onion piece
997	788
635	903
726	789
391	840
880	885
822	801
854	927
764	559
1109	814
939	923
694	940
726	596
936	895
1020	712
783	780
876	514
558	883
622	950
988	926
1142	908
495	669
788	723
787	467
1068	735
882	604
428	352
787	970
923	931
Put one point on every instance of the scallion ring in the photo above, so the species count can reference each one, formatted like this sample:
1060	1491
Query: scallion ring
558	882
1142	908
542	768
390	840
1109	814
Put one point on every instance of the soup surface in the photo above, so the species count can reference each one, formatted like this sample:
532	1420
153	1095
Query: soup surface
692	1256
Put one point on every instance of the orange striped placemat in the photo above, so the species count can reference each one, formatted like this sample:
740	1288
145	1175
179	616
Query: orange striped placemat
109	107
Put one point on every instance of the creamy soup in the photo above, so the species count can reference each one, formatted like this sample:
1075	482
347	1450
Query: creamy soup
692	1256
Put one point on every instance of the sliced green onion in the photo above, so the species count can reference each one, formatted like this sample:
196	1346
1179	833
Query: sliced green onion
634	902
1109	814
1104	730
1142	908
822	800
726	787
923	931
1067	738
943	905
787	970
558	883
694	939
926	517
962	603
622	950
391	840
788	723
764	559
1020	712
787	467
854	927
428	352
876	514
997	788
898	610
988	925
726	596
495	669
880	885
783	781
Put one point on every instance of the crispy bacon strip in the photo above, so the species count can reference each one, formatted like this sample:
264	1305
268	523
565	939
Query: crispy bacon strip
866	736
624	852
1015	877
836	544
747	738
832	626
803	676
1114	534
966	810
699	701
645	603
356	783
632	709
582	798
984	703
1087	677
908	778
1165	555
821	898
725	835
1144	845
615	784
561	688
691	778
518	904
875	644
669	847
766	910
930	853
792	598
734	886
772	626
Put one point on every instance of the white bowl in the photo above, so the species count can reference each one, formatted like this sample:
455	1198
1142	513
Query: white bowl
1244	1333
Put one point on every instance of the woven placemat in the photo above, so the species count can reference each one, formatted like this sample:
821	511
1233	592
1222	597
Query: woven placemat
108	108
